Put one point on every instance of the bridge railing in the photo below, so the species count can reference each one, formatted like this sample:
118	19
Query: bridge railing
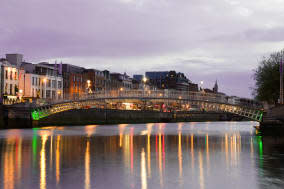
159	94
143	94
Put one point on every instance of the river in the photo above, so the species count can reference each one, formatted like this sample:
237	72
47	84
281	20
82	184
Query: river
159	155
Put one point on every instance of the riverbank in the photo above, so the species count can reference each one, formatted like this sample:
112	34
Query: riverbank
108	116
273	122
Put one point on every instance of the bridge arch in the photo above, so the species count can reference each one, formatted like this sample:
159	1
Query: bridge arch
209	103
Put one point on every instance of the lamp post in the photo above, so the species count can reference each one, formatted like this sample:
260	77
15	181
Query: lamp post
44	87
88	85
144	86
281	80
201	85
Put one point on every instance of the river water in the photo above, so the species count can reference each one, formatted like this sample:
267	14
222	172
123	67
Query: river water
160	155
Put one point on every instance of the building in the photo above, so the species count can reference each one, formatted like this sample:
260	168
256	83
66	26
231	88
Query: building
115	81
250	103
177	81
107	80
233	100
121	81
9	81
215	88
170	80
193	87
73	84
15	59
138	77
157	80
40	81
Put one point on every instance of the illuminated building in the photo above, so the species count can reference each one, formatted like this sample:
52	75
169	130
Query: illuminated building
96	78
40	81
73	84
9	81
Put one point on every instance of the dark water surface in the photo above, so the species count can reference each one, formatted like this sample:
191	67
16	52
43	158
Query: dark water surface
166	155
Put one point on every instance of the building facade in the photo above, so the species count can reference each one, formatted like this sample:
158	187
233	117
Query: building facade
40	81
121	81
9	81
73	84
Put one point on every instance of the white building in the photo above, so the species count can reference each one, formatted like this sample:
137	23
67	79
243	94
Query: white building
9	81
40	81
233	100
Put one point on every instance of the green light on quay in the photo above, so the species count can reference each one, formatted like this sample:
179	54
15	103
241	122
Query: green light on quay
35	115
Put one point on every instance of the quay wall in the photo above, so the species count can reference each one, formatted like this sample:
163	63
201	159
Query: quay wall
273	121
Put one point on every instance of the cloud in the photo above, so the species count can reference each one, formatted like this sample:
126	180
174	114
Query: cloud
198	37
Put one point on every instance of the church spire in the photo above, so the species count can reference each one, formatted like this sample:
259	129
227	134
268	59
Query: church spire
215	88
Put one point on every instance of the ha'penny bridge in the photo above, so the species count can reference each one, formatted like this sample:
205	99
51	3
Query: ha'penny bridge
139	100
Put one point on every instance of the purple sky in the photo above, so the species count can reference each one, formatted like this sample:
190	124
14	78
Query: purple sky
207	40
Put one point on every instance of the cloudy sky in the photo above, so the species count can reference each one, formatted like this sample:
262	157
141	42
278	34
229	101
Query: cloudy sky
207	40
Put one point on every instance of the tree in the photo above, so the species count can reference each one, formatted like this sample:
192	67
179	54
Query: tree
267	77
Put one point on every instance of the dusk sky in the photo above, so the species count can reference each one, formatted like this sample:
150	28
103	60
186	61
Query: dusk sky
207	40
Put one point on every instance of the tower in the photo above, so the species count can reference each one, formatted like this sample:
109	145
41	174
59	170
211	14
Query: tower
215	88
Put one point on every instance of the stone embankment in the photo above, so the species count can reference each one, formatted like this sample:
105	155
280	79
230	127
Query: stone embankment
273	121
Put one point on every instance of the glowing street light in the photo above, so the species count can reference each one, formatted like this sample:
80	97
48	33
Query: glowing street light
201	85
121	89
144	79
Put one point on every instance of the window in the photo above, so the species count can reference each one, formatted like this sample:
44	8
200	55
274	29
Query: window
53	83
11	89
11	75
15	76
59	84
48	83
53	94
6	88
47	93
33	81
39	81
6	74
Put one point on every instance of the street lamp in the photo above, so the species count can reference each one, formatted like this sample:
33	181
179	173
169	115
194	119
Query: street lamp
201	85
88	86
144	79
144	86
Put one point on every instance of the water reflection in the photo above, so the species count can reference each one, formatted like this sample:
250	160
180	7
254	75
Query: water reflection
200	155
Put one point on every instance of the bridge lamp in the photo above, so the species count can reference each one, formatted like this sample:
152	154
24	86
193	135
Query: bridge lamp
179	97
44	80
20	91
160	94
121	89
